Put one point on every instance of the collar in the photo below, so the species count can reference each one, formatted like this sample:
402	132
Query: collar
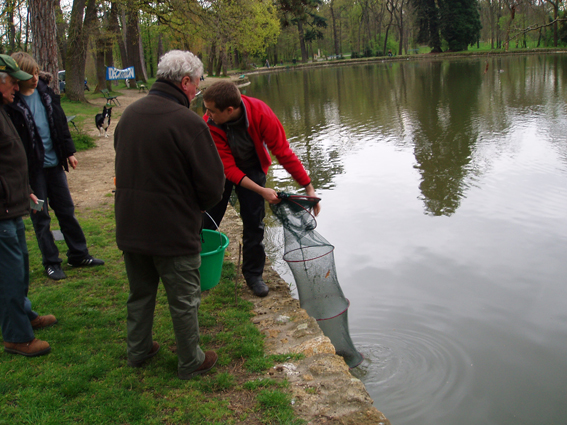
169	90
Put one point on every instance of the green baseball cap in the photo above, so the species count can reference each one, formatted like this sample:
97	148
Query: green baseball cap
9	66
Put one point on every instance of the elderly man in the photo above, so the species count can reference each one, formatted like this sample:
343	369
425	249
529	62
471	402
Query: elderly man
17	319
167	172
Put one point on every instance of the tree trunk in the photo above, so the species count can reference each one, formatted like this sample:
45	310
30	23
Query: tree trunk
387	31
77	50
61	38
134	44
335	37
116	33
44	31
9	10
401	28
304	55
211	61
160	51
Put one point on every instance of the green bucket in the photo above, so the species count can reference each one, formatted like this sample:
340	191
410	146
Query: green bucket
213	245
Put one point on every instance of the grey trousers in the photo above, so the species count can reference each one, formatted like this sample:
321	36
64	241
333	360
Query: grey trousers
181	279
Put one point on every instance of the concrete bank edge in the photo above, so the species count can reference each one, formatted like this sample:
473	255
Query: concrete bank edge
323	389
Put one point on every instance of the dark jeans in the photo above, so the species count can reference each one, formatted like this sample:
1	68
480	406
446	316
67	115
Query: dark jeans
51	184
15	307
252	212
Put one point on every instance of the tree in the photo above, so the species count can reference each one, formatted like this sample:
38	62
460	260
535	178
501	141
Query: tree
44	34
555	4
134	47
457	21
302	13
83	15
460	23
427	20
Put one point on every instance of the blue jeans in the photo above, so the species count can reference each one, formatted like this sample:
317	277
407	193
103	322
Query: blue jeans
15	308
51	184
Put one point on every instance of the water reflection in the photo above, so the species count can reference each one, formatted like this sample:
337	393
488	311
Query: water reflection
441	108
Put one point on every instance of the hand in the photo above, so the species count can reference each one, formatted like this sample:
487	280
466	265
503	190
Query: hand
310	191
34	199
73	161
270	195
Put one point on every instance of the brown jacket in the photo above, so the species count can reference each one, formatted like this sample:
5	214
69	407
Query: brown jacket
14	185
167	172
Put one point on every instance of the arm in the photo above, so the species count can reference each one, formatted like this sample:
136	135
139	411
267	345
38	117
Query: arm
268	194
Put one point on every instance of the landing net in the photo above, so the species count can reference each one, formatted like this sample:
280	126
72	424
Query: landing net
311	260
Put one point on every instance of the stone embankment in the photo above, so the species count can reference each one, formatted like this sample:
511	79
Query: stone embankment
324	391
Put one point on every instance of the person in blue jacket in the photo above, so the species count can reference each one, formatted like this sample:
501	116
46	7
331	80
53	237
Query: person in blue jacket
41	123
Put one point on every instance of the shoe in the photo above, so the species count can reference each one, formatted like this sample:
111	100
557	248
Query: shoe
42	322
140	363
54	272
258	286
33	348
210	361
88	261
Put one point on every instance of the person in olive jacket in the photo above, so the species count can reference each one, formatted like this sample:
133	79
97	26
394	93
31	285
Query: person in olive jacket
17	319
167	172
42	126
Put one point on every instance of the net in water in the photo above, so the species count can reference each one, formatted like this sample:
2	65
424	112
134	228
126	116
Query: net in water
311	260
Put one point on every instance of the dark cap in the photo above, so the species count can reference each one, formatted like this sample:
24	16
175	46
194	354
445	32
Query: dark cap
10	67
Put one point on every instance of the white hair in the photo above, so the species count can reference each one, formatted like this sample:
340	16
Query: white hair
3	76
176	64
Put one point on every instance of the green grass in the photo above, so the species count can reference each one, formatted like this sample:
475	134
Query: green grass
85	379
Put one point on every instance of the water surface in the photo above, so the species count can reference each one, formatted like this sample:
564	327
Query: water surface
444	191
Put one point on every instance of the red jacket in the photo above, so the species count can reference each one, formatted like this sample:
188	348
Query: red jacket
268	135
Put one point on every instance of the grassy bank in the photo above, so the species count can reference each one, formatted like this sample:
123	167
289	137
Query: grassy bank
85	378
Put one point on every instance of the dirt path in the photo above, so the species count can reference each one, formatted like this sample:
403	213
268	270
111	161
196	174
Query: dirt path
93	180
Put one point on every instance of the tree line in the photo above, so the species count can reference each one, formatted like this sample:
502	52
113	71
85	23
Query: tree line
66	34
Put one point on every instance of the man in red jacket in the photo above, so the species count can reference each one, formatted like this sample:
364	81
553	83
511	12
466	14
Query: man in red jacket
246	131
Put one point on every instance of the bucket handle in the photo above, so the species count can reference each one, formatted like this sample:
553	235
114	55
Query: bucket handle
217	226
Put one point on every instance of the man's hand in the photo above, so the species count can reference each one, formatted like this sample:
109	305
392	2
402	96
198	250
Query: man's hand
310	191
34	199
268	194
73	161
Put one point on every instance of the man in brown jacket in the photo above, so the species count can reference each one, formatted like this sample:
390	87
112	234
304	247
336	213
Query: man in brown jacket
167	172
17	319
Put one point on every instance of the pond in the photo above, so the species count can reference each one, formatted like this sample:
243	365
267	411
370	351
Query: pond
444	192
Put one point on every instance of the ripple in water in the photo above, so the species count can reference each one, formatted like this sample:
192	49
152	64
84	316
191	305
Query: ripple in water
413	377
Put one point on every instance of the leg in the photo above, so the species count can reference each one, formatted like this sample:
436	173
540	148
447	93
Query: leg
144	279
16	326
62	204
41	223
181	279
217	212
252	211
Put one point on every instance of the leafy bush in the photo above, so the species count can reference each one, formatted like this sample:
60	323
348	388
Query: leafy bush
82	141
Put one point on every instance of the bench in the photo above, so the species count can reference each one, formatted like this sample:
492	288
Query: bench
141	86
109	98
